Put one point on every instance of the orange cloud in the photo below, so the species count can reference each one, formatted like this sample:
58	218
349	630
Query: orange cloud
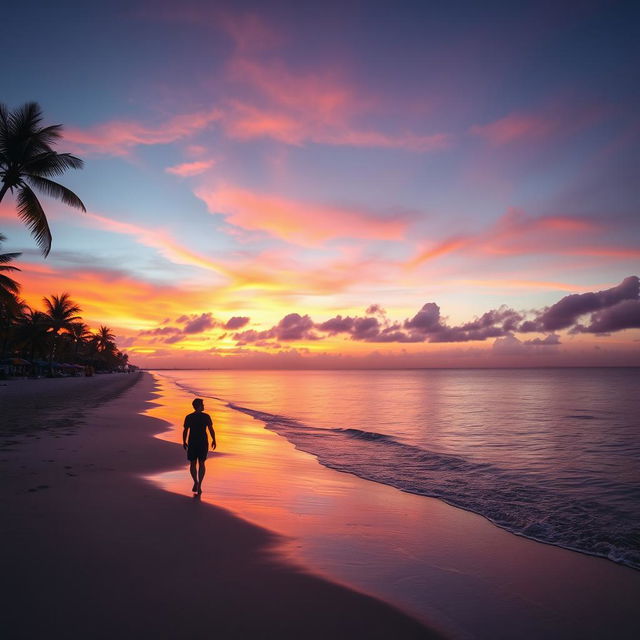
304	223
271	271
119	137
190	168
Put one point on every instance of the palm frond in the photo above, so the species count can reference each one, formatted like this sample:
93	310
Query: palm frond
25	119
49	135
8	257
8	284
4	127
52	164
31	213
56	190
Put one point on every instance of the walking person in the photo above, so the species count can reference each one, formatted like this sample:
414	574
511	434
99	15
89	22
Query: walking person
194	440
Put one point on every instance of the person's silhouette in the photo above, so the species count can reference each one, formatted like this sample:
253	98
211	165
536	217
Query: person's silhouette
194	440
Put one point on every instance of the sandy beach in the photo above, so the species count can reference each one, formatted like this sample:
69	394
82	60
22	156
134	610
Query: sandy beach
92	549
103	537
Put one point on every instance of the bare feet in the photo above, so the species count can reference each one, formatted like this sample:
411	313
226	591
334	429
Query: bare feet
195	487
199	490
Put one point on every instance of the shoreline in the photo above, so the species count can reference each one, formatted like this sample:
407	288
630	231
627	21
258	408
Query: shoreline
92	548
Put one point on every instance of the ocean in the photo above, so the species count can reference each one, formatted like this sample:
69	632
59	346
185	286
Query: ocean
549	454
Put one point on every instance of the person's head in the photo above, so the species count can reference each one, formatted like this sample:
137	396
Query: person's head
198	404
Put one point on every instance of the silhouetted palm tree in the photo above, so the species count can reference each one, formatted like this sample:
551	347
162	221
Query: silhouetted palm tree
32	333
27	160
104	340
9	288
61	314
79	334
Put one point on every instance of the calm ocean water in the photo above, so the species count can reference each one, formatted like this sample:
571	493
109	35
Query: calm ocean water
550	454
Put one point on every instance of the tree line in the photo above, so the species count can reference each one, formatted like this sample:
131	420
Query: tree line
56	333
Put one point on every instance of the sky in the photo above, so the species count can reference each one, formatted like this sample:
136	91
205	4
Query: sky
340	184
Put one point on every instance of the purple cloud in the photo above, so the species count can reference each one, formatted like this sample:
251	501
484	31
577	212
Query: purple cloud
427	320
623	315
612	310
294	327
566	312
200	323
237	322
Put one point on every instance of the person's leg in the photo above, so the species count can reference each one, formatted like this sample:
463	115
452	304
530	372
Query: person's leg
201	471
192	469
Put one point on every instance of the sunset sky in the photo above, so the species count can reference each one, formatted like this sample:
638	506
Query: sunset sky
323	184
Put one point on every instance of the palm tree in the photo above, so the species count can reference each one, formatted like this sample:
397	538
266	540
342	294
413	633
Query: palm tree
104	340
9	288
61	314
31	332
79	334
27	160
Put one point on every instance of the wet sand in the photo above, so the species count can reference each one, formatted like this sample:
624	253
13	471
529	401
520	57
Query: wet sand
92	549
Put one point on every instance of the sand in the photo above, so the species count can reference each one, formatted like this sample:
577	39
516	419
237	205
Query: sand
93	549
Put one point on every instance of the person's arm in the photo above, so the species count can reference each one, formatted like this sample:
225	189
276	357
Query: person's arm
213	435
185	430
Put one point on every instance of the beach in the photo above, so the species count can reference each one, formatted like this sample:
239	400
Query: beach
92	549
104	537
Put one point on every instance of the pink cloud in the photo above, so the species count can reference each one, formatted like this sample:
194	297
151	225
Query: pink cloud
190	168
317	106
119	137
556	119
514	127
304	223
516	233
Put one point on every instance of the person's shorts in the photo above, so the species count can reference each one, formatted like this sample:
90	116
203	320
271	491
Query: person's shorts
197	451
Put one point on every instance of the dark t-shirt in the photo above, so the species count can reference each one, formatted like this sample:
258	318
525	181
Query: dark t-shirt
197	423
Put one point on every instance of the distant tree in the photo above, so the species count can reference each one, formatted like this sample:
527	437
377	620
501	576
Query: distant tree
32	334
79	335
27	160
61	313
104	340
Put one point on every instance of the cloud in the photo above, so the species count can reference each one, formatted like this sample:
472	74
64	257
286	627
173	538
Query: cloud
200	323
566	312
556	120
514	127
292	327
375	309
119	137
618	309
516	233
305	223
622	315
237	322
190	168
